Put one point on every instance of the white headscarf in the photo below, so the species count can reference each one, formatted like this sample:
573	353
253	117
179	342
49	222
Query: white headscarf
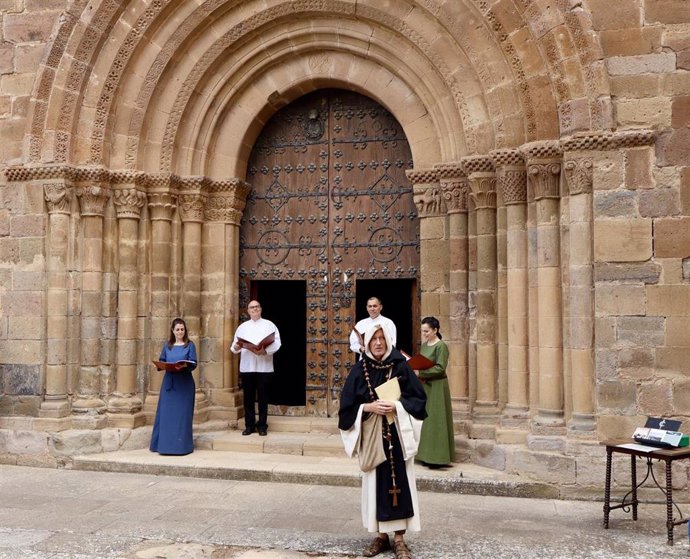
369	334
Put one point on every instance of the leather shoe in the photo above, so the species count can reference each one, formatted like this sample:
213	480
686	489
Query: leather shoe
263	432
247	432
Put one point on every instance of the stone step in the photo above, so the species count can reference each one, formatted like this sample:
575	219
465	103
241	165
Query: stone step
286	442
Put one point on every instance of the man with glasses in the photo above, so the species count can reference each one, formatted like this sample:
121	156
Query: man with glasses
256	340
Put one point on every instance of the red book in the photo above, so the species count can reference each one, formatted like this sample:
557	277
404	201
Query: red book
259	345
418	362
176	366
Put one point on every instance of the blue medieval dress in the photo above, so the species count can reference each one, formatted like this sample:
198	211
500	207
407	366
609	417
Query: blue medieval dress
172	428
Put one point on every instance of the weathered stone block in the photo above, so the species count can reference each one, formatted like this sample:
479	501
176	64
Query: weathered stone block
668	300
615	203
641	330
625	299
638	86
659	203
653	111
606	364
21	379
673	148
27	442
621	15
673	359
631	41
647	272
681	396
636	358
656	398
672	237
639	163
616	426
545	466
72	441
666	11
615	396
618	240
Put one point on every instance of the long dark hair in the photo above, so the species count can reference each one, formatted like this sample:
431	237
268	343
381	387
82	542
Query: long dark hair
171	339
434	323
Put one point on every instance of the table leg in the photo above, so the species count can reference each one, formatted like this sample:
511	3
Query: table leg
607	489
669	503
633	480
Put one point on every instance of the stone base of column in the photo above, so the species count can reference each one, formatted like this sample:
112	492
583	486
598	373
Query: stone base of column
51	424
515	417
461	408
88	404
151	403
226	403
511	436
201	407
55	408
485	412
90	421
548	422
126	420
582	425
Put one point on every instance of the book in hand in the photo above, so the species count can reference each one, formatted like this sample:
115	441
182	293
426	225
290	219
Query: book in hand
418	362
390	392
176	366
256	346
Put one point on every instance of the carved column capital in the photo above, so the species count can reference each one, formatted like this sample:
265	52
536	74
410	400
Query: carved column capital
480	171
454	186
511	175
543	169
226	201
427	192
192	198
162	197
58	195
578	175
128	202
92	199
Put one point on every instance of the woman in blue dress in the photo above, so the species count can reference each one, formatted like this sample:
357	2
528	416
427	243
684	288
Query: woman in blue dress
172	428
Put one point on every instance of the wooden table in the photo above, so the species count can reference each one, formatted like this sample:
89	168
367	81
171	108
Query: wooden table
668	456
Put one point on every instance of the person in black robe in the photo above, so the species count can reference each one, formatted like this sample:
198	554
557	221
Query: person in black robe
389	494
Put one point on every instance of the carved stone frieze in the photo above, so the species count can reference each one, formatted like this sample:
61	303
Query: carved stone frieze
455	193
483	190
477	164
578	175
609	140
427	192
192	207
128	202
58	197
92	199
226	201
513	184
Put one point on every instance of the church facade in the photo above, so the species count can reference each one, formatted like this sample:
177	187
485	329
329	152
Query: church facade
519	169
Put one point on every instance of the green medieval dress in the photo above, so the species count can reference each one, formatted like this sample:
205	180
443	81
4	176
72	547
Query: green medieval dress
437	443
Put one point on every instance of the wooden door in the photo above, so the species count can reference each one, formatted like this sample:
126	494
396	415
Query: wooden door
330	205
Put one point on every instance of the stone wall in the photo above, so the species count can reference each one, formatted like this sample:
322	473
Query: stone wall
551	143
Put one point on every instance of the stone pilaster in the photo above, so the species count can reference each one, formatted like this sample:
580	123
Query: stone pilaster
512	183
481	175
455	190
219	290
578	174
433	242
124	405
93	193
191	200
543	174
162	201
58	196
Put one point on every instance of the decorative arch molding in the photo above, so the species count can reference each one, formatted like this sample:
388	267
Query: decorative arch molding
529	54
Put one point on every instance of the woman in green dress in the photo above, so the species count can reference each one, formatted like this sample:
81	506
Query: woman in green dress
437	441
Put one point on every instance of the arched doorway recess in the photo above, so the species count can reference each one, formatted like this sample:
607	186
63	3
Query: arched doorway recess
330	221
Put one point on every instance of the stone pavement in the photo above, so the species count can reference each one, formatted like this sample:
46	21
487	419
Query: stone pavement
76	514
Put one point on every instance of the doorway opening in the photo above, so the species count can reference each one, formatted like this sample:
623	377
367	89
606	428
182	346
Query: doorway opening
283	302
400	304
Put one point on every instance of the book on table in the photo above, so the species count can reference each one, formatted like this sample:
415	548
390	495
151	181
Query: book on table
389	391
174	366
418	362
256	344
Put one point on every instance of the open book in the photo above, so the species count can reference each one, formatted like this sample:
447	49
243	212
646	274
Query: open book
176	366
256	345
390	392
418	362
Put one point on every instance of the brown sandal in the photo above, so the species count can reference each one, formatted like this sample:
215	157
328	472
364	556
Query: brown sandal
377	546
401	550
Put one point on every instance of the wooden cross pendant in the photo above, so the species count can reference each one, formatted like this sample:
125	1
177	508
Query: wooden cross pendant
394	492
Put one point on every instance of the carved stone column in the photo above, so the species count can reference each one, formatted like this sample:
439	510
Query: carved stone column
512	182
162	200
93	193
578	174
455	190
543	172
58	196
482	180
191	200
219	290
433	243
124	406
